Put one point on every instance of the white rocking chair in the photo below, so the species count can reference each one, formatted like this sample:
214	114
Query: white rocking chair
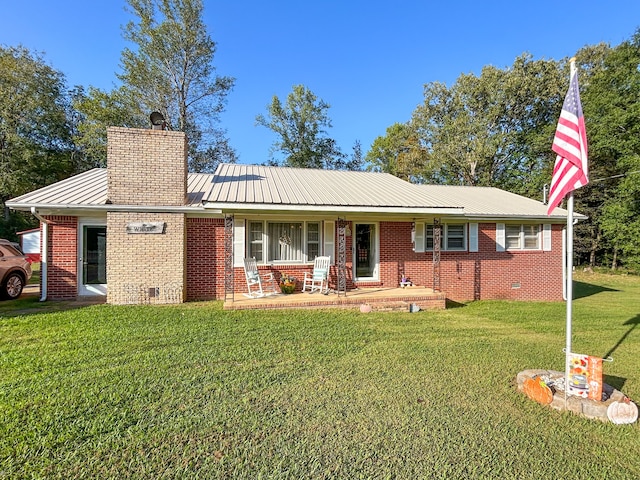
255	280
318	280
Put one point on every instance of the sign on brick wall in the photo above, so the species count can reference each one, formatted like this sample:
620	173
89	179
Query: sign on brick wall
146	227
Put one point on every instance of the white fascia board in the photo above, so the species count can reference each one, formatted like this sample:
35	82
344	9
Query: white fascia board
259	207
67	208
538	218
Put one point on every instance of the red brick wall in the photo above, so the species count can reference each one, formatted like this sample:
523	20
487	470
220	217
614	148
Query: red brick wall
205	258
62	266
397	256
464	276
205	263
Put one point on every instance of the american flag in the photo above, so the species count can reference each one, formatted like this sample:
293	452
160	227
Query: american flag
570	143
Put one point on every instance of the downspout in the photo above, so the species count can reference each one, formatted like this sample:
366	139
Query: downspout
43	254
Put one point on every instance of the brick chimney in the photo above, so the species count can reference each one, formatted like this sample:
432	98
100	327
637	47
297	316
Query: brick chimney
146	167
146	240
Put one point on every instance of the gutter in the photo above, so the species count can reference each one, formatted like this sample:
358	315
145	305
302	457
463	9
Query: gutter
109	208
44	256
278	207
523	217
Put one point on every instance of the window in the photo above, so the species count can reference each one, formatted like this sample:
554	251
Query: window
429	238
453	237
313	240
255	240
522	237
292	242
285	241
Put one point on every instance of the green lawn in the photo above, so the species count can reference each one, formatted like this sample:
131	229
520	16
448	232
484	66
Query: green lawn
193	391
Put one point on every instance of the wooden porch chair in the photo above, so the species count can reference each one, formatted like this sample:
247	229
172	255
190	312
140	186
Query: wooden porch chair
318	280
255	280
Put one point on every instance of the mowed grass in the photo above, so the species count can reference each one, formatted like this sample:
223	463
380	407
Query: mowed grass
193	391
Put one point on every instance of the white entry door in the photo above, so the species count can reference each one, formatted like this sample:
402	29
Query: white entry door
365	251
92	259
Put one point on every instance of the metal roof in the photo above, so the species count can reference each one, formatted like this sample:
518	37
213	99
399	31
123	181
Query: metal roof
86	189
90	189
198	187
263	185
492	202
236	187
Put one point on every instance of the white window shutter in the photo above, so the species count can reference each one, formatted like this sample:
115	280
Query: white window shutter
330	239
238	242
418	239
546	237
500	240
473	237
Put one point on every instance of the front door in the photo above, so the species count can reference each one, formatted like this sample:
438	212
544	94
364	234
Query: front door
93	260
366	251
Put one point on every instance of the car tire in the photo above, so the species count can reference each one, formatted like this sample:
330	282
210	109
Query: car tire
13	286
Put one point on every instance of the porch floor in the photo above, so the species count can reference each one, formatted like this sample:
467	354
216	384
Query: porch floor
380	299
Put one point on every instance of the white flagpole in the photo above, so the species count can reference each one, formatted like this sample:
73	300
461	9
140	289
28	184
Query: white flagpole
569	285
569	289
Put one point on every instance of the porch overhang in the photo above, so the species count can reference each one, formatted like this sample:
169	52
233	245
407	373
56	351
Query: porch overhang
263	208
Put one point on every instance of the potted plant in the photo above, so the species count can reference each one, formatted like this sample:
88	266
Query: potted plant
287	283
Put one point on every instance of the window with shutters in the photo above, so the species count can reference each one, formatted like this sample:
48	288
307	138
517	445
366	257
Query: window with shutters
283	242
453	238
523	237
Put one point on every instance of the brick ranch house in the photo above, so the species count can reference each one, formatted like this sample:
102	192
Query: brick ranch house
145	230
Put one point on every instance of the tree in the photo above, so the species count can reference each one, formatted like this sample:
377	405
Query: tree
171	71
35	136
301	124
357	160
97	110
399	153
487	130
611	101
590	245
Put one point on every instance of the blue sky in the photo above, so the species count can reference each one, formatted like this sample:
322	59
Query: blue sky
368	60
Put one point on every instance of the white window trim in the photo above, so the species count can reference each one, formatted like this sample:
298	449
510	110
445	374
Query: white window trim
239	247
87	289
240	240
376	253
500	237
546	237
247	240
543	241
473	237
328	228
418	234
444	233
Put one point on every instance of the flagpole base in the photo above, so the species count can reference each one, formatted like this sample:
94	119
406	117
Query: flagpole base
615	407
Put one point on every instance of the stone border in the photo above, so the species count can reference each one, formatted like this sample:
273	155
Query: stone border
585	407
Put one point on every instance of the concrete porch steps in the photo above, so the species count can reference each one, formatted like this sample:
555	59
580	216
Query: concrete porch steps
379	299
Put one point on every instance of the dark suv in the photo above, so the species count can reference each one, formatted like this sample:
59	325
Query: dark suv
15	269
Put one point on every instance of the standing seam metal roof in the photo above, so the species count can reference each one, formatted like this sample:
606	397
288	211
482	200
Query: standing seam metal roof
88	188
245	185
254	184
491	201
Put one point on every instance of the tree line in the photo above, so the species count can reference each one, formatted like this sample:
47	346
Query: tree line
491	129
496	129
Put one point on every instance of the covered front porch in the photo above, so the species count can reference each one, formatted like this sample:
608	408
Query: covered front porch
379	299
